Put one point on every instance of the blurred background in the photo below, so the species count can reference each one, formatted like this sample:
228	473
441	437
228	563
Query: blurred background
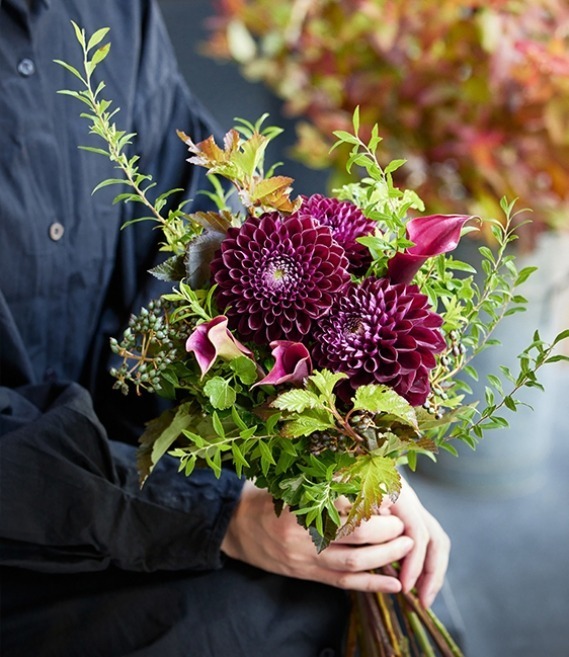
476	97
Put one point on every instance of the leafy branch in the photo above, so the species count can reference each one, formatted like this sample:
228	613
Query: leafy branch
117	142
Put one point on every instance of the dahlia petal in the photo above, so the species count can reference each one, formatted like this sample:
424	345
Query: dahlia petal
378	332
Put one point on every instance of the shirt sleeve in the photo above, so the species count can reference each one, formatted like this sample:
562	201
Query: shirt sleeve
70	500
69	494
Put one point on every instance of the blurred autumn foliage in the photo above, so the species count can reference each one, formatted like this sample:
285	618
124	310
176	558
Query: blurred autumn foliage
474	95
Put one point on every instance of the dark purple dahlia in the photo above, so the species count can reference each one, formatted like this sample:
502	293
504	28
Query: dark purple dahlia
381	333
276	275
346	221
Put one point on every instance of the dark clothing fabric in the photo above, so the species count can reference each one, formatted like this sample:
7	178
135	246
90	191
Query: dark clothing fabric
70	278
91	564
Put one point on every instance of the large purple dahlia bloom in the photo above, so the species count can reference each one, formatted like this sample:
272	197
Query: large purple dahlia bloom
276	275
347	223
381	333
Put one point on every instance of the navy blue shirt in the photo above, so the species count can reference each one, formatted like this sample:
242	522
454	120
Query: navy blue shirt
69	279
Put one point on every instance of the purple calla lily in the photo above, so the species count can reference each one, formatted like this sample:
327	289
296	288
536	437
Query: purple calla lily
432	235
213	339
292	364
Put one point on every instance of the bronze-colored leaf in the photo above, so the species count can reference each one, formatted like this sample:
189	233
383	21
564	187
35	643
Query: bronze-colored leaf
199	254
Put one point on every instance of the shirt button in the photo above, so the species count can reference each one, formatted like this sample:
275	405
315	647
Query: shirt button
327	652
26	67
56	231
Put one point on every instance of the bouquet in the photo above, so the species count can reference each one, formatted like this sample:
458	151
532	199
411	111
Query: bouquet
314	344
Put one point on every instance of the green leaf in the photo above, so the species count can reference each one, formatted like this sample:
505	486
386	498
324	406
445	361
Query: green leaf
71	69
346	137
217	425
93	149
245	369
79	33
557	359
375	476
307	424
97	37
100	54
524	274
220	392
382	399
297	401
160	435
394	165
239	423
107	182
325	381
238	459
561	336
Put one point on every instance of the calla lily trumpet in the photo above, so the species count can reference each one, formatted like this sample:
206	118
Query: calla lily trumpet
432	235
292	364
212	340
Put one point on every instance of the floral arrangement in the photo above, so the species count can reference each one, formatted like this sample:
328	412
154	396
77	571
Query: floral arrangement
473	95
314	344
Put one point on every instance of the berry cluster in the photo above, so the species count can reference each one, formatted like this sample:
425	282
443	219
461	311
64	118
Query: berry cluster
148	346
320	441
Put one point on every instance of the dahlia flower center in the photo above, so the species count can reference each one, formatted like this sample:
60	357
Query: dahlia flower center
353	326
279	273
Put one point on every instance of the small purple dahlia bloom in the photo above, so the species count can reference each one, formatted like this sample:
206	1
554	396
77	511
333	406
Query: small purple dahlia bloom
276	275
347	223
381	333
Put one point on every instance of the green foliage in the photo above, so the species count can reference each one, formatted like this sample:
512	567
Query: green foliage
375	476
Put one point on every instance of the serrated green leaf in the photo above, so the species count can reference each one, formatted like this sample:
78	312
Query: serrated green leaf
160	435
376	477
325	381
297	401
382	399
304	425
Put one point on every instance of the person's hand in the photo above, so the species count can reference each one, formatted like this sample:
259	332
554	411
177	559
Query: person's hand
280	545
426	564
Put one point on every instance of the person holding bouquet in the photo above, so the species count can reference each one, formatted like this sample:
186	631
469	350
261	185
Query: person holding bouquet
91	564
